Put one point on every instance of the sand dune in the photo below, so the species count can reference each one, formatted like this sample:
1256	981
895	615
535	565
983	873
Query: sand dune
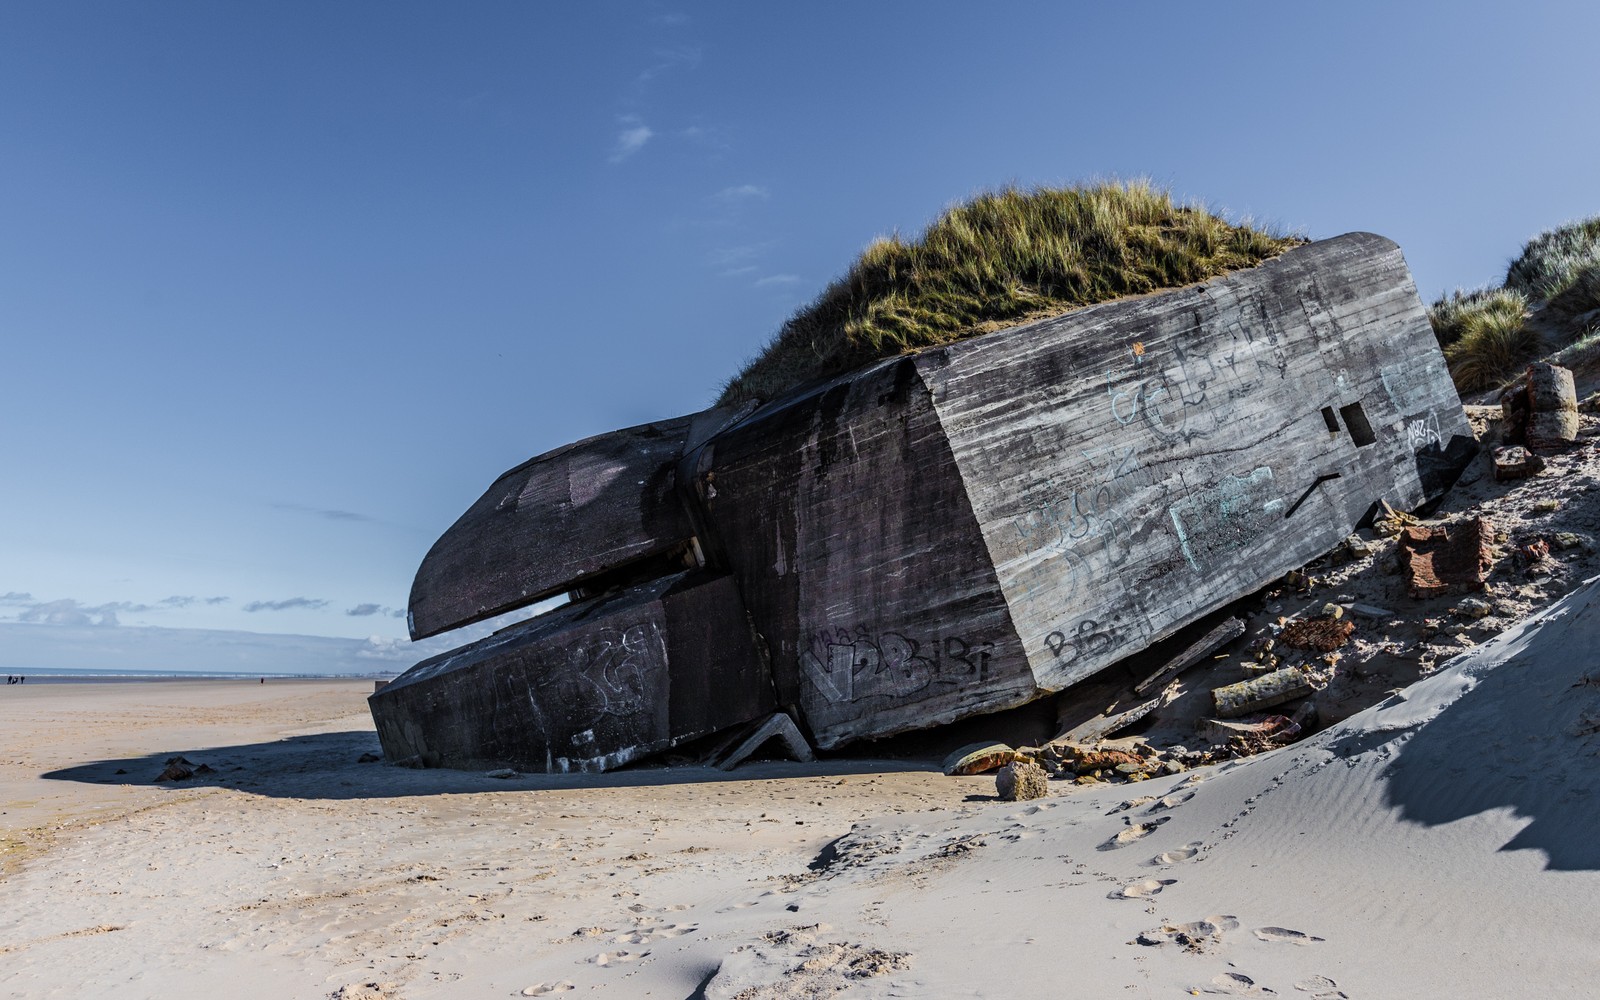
1441	843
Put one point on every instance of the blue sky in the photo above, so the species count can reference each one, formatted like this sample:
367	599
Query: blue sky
284	286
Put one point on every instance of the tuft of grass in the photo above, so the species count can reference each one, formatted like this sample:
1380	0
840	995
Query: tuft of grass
1454	313
1575	309
1492	346
1551	261
1002	258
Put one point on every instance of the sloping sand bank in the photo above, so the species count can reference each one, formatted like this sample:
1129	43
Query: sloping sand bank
1441	844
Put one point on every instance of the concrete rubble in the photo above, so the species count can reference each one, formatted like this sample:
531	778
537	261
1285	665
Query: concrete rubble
1021	780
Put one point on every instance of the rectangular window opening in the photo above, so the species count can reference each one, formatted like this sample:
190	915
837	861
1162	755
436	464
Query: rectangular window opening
1355	419
1329	419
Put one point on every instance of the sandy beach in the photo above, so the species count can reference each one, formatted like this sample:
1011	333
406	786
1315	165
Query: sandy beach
1440	843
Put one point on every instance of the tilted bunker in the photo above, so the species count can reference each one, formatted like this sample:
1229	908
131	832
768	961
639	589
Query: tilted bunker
939	535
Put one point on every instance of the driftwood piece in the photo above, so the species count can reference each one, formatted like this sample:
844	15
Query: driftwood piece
1228	631
1234	700
1105	726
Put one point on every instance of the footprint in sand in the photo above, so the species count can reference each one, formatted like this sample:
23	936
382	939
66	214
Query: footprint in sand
645	935
1172	801
1284	934
1172	857
1194	935
1135	831
1236	984
1321	988
617	957
545	989
1132	804
1143	889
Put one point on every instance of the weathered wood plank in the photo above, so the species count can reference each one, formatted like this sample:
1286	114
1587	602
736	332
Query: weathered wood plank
1226	632
586	687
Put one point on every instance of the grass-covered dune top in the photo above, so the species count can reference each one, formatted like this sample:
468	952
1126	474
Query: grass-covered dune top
1549	301
1001	259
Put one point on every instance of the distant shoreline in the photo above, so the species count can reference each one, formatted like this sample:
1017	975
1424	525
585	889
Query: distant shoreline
68	676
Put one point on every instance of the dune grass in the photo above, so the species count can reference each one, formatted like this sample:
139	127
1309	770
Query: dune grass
1454	314
1002	258
1550	300
1553	260
1494	344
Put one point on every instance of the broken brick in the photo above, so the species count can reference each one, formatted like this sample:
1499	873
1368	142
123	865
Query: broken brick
1516	462
1322	634
1446	559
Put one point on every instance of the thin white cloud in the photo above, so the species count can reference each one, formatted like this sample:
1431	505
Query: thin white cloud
683	56
773	280
288	604
631	138
741	193
739	256
671	19
67	611
324	512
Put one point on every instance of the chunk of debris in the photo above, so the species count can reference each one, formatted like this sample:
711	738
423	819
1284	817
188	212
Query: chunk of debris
1234	700
1369	611
1393	521
177	769
1569	540
1084	760
1516	462
1220	731
1020	780
1446	559
1534	551
980	758
1321	634
1225	633
369	758
1472	607
777	726
501	772
1552	407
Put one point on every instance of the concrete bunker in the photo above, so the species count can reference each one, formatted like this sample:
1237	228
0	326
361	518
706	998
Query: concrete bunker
938	535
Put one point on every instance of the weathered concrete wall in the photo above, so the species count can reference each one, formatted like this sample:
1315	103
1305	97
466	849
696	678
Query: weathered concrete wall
586	687
843	517
1137	464
568	516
